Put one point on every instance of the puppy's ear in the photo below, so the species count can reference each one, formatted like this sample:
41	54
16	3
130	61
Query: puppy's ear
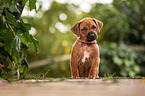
76	28
99	24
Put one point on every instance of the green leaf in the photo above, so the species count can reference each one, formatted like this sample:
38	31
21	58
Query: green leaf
24	67
24	2
127	62
24	49
12	8
28	26
132	74
35	43
15	55
8	38
27	39
123	72
6	2
25	26
1	44
136	68
15	49
19	27
16	43
9	17
117	60
32	4
1	11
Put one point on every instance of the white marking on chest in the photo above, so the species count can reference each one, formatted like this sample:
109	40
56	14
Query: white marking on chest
86	55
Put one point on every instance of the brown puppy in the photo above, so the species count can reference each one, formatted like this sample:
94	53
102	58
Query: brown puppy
85	52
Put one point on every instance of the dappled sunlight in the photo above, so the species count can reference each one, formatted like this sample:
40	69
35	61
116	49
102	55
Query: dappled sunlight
32	31
62	28
63	16
84	5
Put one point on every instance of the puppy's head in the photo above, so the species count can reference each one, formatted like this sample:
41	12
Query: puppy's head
87	28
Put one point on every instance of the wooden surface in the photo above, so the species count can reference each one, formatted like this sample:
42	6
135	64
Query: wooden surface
73	87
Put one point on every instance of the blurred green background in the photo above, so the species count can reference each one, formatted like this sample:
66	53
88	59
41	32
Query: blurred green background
121	40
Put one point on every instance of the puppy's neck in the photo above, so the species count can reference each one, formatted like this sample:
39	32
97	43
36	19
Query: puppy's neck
85	42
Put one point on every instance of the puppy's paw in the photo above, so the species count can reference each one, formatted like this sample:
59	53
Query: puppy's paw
75	77
92	76
97	76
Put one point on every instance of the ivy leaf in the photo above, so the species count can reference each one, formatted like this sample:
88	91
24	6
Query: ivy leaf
1	11
20	27
24	49
24	2
8	38
6	2
24	67
27	39
9	16
15	49
117	60
27	26
32	4
35	43
12	8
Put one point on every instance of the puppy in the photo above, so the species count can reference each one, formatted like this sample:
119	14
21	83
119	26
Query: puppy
85	51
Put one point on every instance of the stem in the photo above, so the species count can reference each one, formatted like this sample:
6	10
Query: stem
18	73
11	29
19	61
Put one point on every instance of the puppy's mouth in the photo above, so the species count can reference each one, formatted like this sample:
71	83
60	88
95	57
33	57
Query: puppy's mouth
91	36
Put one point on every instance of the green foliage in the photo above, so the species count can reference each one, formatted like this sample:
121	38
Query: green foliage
14	38
119	59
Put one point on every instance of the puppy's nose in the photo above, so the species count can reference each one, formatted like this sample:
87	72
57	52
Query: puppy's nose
92	35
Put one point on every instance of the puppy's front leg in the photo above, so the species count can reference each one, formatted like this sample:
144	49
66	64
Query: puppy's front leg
74	69
94	70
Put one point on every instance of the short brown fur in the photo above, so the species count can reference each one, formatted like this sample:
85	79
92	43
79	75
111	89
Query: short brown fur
89	68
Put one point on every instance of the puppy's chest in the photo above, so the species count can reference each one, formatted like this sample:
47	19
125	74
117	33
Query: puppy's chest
85	55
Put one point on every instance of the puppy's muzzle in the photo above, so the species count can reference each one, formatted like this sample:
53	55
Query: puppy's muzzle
91	36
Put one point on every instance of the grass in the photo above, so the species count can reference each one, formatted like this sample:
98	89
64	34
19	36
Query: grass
41	75
108	76
41	78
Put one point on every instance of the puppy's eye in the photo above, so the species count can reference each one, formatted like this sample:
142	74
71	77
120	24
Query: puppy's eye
93	27
84	29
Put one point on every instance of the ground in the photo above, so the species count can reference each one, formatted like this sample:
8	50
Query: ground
73	87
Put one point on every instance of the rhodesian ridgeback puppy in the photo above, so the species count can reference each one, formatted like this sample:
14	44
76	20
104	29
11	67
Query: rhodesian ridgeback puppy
85	51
